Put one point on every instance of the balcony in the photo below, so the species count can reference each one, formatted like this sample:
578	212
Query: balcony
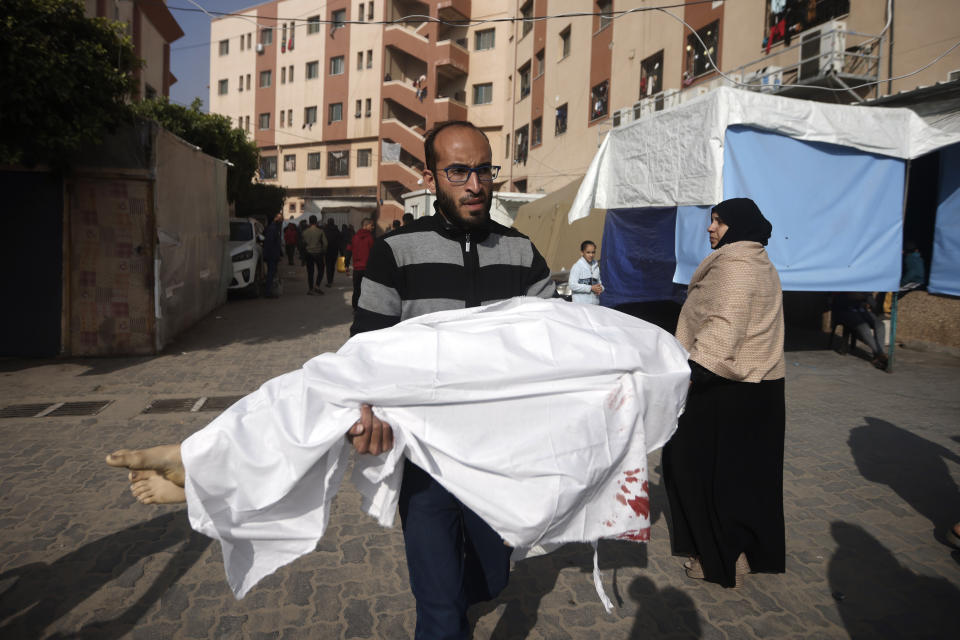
452	58
826	56
403	94
408	138
454	10
397	172
446	109
408	41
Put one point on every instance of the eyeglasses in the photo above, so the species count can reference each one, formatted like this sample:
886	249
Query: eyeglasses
460	173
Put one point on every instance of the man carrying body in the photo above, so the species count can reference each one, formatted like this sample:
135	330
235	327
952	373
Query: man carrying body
454	259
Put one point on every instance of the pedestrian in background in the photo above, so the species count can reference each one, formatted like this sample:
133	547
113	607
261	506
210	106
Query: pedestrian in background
723	468
346	235
272	253
315	245
333	248
290	239
584	278
359	246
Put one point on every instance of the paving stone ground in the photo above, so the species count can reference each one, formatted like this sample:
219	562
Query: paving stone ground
870	484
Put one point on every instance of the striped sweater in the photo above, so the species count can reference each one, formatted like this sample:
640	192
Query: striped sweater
430	265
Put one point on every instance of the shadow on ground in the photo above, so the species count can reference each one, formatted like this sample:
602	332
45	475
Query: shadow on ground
36	595
877	597
915	468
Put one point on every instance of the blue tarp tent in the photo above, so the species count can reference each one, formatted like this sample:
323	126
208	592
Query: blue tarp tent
830	178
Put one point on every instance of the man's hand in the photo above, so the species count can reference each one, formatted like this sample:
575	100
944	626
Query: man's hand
369	434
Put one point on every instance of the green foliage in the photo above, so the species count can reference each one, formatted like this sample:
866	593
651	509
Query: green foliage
213	133
65	79
261	201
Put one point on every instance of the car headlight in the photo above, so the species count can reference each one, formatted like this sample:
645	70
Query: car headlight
243	255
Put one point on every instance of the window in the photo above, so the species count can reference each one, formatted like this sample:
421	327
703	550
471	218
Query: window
249	37
240	83
290	164
560	123
290	73
363	157
338	163
268	168
781	15
222	87
598	101
360	13
524	81
369	58
242	41
605	9
484	39
283	75
483	93
540	64
506	150
309	115
248	82
313	25
239	122
359	112
339	17
335	112
536	132
283	117
313	69
359	60
369	110
264	122
224	47
265	78
697	63
266	36
651	75
293	207
522	139
369	11
246	124
336	65
313	161
290	117
565	43
526	12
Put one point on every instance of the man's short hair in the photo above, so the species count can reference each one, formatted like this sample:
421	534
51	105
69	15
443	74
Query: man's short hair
313	219
407	217
430	153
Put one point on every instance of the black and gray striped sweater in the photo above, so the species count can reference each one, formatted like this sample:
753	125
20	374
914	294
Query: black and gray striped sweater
430	265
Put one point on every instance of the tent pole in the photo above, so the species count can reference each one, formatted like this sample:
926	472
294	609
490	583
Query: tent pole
893	306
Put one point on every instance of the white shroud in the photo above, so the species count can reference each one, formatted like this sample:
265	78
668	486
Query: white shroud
537	414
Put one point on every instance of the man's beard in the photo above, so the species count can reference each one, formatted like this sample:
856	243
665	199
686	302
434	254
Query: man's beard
449	207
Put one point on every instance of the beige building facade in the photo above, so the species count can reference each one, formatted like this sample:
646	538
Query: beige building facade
338	97
577	77
152	28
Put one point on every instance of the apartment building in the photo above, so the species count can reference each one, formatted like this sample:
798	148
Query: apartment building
152	28
328	93
576	77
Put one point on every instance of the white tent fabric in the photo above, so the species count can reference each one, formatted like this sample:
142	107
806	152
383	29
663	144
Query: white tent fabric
537	414
675	157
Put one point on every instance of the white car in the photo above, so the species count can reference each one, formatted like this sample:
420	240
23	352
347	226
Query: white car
246	254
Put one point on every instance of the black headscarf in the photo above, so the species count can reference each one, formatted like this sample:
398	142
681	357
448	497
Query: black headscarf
745	222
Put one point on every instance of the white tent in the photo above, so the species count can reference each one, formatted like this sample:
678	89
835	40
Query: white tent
831	179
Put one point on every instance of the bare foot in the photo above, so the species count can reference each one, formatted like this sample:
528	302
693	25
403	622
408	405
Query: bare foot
165	460
149	487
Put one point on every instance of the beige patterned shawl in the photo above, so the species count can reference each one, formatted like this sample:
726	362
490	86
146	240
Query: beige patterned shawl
732	321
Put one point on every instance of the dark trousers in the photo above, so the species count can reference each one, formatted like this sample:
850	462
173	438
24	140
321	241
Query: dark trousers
454	558
314	260
271	276
357	278
331	260
290	249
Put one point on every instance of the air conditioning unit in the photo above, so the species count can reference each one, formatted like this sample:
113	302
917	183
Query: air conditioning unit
822	49
259	47
771	78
